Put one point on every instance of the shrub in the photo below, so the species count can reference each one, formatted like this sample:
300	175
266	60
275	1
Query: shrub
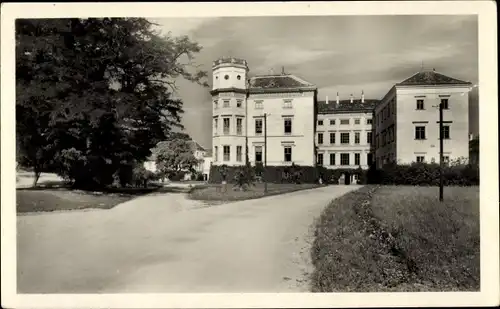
424	174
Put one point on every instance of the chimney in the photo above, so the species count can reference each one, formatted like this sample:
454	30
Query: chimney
362	96
326	99
338	98
352	98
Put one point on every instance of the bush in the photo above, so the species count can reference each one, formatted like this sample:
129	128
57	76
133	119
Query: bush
177	176
424	174
141	176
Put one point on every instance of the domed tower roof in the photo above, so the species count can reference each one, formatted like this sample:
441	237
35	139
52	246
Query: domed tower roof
229	61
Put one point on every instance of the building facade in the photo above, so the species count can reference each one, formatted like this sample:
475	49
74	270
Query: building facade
344	133
407	120
241	111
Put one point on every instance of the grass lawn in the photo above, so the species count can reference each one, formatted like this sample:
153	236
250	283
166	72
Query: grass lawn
398	238
35	200
210	193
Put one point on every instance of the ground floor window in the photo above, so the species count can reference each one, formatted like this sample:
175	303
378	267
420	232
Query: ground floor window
258	153
357	159
288	153
320	159
420	159
239	153
332	159
227	153
369	158
344	159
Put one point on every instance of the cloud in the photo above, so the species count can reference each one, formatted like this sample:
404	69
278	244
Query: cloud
337	53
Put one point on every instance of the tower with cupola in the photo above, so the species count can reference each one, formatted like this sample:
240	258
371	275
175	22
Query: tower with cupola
229	125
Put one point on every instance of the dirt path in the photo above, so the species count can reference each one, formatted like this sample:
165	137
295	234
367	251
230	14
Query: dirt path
165	243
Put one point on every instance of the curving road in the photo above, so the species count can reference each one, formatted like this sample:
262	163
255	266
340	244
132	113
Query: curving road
166	243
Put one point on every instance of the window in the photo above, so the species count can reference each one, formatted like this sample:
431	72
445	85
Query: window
369	121
320	159
420	159
288	154
332	122
216	153
239	153
332	138
419	132
226	103
446	132
288	126
357	159
216	126
216	104
332	159
287	103
420	104
344	159
446	159
356	138
369	138
320	122
258	153
226	126
357	121
239	126
258	126
344	121
259	104
320	138
239	102
227	154
369	158
226	77
444	102
344	138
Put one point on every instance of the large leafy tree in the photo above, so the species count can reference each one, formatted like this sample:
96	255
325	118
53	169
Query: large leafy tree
94	95
175	156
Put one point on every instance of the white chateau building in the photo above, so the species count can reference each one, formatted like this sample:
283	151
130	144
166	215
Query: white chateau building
336	134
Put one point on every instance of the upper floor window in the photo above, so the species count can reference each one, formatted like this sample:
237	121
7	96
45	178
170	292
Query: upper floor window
344	121
332	122
239	126
446	132
226	77
239	153
369	121
369	138
258	126
420	104
357	159
332	158
444	103
320	138
320	122
226	103
259	104
332	138
287	103
288	126
216	126
356	121
239	102
216	104
216	153
356	137
226	126
344	138
420	132
258	153
344	159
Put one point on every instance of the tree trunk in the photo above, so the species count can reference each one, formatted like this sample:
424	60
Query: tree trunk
37	176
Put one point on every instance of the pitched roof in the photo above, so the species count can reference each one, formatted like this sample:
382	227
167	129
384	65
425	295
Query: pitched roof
431	78
345	106
283	81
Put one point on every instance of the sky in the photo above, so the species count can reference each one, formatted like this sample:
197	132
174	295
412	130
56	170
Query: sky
345	54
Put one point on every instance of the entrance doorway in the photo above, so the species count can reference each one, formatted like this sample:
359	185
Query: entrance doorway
347	178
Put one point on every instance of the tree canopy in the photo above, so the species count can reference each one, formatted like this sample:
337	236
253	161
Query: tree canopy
95	95
175	156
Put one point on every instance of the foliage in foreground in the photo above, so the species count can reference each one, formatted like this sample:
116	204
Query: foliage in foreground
398	239
93	95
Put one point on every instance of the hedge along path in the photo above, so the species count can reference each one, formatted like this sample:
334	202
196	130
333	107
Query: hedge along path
354	251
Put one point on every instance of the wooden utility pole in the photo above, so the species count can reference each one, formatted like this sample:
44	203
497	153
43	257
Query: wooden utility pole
265	153
441	163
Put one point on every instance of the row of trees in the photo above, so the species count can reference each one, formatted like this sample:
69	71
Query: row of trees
94	95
